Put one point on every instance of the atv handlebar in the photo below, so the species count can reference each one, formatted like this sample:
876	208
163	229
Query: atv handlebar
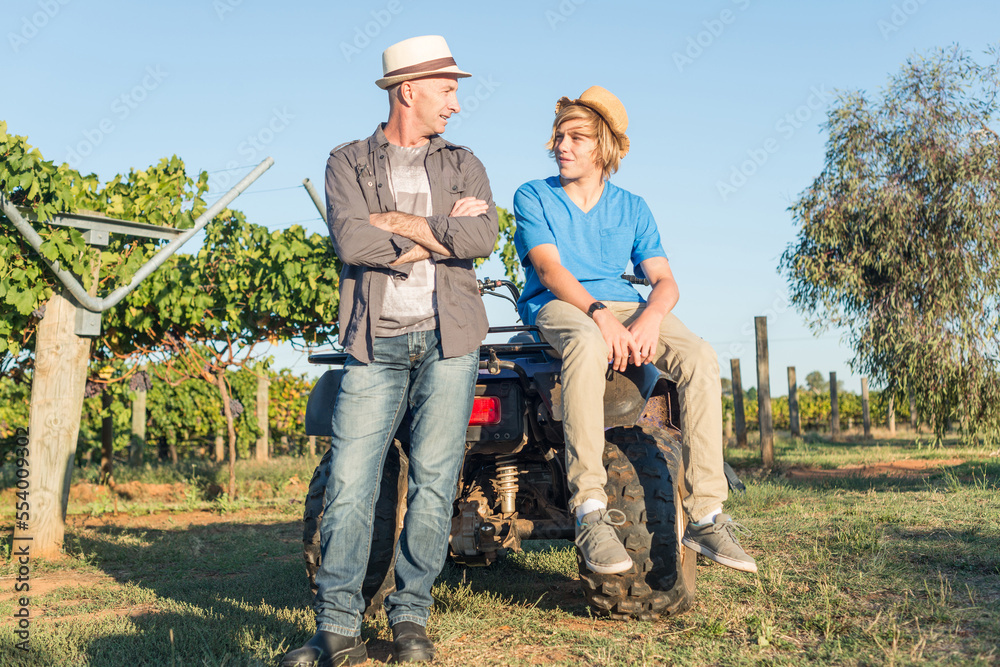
488	285
635	281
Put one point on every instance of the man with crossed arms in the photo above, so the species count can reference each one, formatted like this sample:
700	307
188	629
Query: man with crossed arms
408	213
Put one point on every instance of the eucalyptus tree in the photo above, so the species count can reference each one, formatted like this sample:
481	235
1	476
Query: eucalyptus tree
899	235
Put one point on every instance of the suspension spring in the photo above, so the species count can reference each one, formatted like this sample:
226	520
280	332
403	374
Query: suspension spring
507	482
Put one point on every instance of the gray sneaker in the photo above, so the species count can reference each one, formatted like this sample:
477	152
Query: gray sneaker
718	541
599	545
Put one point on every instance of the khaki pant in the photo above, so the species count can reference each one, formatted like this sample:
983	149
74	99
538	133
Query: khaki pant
685	358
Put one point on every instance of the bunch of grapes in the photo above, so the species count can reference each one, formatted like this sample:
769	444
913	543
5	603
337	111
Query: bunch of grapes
140	382
235	407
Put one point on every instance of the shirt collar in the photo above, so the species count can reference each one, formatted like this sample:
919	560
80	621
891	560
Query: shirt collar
378	140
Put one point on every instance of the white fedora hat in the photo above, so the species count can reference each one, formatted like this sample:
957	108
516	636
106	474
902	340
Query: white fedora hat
416	57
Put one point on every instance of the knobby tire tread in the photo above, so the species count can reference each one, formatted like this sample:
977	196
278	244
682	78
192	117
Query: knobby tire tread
642	465
379	580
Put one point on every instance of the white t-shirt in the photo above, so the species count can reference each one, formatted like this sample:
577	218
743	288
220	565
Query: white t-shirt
410	303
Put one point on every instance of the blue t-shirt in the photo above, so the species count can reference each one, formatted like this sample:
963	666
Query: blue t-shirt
595	246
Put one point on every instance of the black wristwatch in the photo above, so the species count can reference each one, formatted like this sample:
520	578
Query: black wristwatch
594	307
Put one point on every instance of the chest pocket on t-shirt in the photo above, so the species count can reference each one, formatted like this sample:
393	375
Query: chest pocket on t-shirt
616	247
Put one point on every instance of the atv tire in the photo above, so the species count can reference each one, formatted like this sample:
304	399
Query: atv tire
389	508
642	466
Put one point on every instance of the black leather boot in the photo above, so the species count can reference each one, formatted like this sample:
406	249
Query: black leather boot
410	643
327	649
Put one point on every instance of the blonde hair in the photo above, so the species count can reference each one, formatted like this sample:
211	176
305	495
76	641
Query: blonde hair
607	155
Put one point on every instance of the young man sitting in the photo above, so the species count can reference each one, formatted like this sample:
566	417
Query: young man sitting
576	233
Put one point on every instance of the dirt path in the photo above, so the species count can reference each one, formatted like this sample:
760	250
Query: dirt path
903	469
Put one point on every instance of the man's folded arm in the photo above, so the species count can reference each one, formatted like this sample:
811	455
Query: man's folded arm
468	236
355	240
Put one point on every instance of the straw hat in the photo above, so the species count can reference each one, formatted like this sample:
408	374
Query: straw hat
607	107
416	57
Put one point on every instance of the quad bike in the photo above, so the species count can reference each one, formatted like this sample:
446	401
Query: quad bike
513	482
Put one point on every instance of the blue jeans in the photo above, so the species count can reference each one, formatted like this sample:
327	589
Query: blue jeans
407	370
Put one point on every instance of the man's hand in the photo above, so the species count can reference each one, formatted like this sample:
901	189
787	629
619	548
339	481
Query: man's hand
622	346
621	343
468	207
646	332
415	254
646	328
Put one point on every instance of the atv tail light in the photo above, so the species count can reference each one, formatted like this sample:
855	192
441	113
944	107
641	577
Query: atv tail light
485	411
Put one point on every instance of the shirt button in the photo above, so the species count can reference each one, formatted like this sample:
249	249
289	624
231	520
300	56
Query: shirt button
454	187
369	183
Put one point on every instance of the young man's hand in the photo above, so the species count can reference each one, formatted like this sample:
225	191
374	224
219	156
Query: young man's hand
468	207
646	332
646	328
622	346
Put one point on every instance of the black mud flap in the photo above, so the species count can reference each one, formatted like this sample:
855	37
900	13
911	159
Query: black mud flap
734	482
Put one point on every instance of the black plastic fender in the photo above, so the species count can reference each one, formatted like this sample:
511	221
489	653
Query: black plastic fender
638	395
319	409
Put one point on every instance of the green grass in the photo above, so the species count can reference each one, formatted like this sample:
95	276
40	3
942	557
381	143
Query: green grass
854	570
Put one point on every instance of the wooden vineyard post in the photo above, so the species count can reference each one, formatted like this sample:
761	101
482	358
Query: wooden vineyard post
764	415
891	410
107	438
834	409
263	385
227	409
793	404
741	422
138	441
865	409
60	377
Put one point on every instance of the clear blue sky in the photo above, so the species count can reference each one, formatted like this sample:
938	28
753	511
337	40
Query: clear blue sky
110	85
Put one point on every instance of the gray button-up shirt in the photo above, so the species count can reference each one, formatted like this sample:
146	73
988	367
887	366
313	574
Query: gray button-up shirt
356	186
